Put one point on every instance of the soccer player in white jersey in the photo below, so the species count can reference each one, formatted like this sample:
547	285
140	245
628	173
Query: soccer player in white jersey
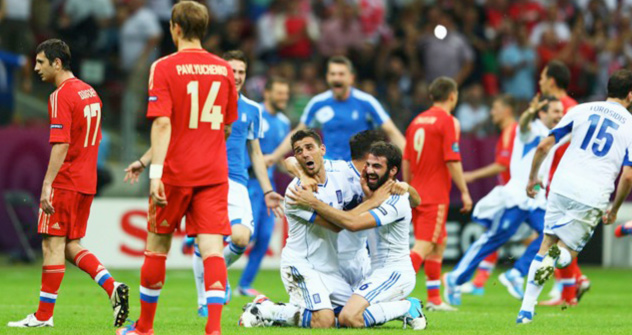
601	142
379	298
353	256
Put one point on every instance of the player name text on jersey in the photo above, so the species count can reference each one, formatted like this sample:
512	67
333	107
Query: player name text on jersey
205	69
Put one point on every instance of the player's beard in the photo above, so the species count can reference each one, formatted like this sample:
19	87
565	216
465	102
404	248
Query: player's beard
380	181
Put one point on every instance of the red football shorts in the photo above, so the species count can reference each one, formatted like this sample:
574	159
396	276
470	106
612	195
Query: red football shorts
205	207
429	222
70	219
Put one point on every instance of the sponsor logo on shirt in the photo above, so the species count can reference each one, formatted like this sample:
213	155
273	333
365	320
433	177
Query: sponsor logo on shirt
56	126
152	98
455	147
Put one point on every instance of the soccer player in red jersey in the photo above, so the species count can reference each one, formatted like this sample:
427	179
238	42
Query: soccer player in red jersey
502	114
69	185
192	101
554	80
431	158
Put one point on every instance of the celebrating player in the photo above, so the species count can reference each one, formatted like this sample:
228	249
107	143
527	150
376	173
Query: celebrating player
502	114
275	126
431	157
69	185
379	297
572	284
192	101
600	145
506	207
353	256
342	111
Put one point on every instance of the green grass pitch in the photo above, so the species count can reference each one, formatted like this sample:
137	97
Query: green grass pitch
82	307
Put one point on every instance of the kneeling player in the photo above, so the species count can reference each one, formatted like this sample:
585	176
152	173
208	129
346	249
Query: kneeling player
379	298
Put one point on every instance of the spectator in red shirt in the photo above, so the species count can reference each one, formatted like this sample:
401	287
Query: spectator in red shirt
295	32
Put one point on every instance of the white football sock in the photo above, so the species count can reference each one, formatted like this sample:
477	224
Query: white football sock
198	274
287	314
232	252
533	290
384	312
565	258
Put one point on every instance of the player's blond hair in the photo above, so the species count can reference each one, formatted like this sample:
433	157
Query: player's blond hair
192	17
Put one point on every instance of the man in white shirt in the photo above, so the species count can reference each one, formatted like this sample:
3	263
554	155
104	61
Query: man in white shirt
600	145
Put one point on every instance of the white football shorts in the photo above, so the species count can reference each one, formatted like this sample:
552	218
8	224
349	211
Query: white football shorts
313	290
387	284
355	268
239	208
571	221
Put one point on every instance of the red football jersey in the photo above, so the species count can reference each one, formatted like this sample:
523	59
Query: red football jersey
432	139
568	103
74	110
504	147
196	90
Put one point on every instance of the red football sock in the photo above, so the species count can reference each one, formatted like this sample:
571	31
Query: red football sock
417	260
215	285
569	284
485	269
52	276
433	280
152	278
89	263
576	269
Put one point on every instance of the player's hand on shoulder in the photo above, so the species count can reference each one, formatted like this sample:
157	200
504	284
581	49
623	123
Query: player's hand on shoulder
400	188
133	171
300	196
533	188
382	193
157	192
467	203
309	183
609	217
274	202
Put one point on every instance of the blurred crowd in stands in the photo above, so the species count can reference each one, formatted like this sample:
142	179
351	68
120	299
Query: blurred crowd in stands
492	47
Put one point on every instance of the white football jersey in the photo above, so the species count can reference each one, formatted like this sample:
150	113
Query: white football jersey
601	142
390	247
524	146
349	243
307	243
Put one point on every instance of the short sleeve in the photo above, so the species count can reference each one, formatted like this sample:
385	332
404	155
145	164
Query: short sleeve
305	214
60	111
231	114
391	211
256	130
375	109
564	127
451	150
159	102
627	160
12	59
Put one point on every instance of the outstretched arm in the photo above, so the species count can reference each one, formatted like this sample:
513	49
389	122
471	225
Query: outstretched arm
284	147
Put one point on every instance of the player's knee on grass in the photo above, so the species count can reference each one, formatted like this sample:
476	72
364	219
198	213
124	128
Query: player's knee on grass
323	319
240	236
53	250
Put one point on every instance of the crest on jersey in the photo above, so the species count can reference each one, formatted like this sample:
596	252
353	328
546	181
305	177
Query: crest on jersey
355	115
244	117
339	196
265	126
324	114
152	99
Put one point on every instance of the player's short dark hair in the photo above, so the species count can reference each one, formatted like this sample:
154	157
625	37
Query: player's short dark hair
341	60
620	84
507	100
559	72
441	88
53	49
301	134
275	80
388	150
549	98
361	142
235	55
192	17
